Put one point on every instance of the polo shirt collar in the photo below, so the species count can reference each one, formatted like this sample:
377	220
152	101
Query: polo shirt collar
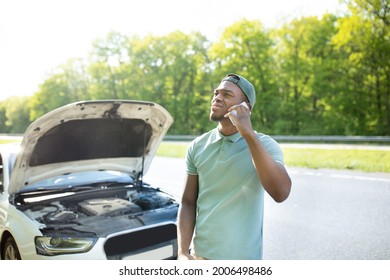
216	136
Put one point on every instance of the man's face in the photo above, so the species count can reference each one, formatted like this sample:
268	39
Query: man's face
226	95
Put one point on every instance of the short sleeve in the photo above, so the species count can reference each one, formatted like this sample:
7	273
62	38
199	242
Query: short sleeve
273	148
190	164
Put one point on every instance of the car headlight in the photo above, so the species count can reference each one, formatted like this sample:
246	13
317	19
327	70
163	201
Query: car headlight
57	245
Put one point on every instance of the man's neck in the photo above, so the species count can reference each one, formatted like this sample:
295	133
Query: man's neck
226	128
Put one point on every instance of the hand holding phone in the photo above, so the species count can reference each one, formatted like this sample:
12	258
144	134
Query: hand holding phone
234	112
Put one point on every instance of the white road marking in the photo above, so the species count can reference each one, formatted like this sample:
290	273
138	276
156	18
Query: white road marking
340	176
360	178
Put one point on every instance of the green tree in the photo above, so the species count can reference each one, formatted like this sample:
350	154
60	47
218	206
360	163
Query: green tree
66	84
3	119
183	58
307	72
364	38
161	69
109	61
328	75
16	114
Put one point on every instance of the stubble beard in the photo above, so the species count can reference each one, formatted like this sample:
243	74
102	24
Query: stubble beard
216	118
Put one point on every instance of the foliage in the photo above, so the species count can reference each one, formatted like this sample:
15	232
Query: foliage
68	83
364	41
308	71
328	75
15	113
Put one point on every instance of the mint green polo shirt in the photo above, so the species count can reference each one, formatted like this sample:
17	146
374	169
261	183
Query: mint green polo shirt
230	205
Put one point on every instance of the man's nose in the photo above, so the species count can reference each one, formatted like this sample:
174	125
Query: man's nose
218	97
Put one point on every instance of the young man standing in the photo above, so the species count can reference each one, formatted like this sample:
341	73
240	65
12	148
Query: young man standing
228	169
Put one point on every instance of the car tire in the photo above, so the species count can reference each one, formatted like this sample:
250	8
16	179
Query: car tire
10	251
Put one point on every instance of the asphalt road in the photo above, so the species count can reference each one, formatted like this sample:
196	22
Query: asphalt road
330	214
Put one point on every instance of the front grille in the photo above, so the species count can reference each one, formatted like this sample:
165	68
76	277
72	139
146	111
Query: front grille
118	247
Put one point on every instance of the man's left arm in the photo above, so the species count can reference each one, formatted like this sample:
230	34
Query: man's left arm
272	174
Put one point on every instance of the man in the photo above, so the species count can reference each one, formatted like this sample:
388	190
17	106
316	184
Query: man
228	169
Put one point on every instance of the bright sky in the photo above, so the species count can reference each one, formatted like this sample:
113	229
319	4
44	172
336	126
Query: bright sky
38	35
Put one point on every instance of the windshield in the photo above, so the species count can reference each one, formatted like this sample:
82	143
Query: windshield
81	178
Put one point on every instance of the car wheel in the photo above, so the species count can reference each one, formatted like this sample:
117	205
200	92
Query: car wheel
10	251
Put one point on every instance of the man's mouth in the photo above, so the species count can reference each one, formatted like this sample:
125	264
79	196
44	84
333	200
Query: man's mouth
216	106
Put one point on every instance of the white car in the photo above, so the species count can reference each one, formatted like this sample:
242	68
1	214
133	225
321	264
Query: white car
74	188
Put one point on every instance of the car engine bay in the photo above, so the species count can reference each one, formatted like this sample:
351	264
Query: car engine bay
102	212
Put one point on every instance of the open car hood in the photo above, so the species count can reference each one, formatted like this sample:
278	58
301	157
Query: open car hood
116	135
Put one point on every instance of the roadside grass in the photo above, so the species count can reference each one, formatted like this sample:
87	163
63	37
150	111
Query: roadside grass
172	149
8	141
351	159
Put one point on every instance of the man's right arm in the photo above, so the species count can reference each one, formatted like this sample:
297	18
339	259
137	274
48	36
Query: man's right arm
187	216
